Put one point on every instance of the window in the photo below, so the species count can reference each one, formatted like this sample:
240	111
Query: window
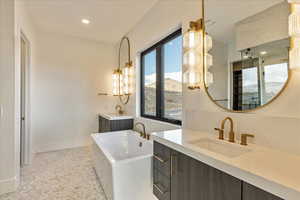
275	77
161	80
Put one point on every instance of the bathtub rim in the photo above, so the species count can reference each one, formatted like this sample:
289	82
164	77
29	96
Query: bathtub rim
123	161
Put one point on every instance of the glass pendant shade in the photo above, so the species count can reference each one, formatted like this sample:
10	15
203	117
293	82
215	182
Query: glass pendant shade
208	61
192	78
209	79
128	79
294	24
295	54
192	39
208	43
192	59
117	83
193	55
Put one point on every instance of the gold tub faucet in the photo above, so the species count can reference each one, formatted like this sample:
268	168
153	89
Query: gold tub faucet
143	133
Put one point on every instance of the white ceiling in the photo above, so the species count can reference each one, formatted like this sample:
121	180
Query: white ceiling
110	19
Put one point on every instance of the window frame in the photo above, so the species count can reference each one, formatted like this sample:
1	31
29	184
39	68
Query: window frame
160	107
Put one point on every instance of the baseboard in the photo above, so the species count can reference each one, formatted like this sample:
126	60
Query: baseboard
8	185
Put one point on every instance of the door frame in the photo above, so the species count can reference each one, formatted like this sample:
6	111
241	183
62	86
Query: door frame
26	142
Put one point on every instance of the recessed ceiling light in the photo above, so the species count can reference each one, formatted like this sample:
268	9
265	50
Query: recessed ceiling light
85	21
263	53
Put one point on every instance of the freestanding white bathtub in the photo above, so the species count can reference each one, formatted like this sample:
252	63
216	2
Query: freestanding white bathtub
123	163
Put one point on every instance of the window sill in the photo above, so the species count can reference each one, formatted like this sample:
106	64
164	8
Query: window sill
175	126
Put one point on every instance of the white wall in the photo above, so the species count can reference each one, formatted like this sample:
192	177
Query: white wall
267	26
68	75
14	17
65	75
8	160
163	19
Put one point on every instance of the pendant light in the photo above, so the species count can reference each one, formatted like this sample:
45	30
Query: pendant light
192	55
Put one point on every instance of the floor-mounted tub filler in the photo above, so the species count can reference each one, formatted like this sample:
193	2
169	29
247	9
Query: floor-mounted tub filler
123	163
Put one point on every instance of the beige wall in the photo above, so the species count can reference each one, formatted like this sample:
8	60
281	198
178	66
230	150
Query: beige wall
68	75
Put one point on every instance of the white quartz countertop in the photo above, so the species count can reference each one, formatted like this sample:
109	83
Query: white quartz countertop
115	116
271	170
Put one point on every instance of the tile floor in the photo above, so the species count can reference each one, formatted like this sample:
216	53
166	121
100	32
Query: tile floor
59	175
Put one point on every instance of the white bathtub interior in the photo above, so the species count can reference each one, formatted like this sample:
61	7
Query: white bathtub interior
123	162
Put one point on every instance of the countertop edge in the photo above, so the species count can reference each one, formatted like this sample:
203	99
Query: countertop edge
258	181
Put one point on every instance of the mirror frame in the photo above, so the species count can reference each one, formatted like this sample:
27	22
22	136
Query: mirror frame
206	87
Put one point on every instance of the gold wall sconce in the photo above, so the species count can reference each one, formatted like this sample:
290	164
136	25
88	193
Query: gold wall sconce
294	32
196	43
123	77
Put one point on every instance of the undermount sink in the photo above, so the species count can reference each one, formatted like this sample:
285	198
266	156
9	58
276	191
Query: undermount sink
221	147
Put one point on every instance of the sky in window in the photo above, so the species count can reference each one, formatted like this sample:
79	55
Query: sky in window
173	58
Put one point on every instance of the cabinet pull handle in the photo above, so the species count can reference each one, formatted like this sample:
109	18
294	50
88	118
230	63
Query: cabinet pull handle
159	159
158	188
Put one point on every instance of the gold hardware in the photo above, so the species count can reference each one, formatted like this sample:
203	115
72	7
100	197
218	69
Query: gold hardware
143	134
159	159
158	188
102	94
221	133
119	109
244	139
231	132
196	25
148	136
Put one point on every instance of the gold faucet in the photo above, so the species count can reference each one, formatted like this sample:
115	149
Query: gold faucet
143	133
119	109
244	139
231	132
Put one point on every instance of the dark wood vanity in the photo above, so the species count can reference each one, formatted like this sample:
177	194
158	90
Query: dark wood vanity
106	125
177	176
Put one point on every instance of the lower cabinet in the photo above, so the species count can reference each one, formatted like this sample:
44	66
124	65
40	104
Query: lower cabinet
106	125
180	177
251	192
194	180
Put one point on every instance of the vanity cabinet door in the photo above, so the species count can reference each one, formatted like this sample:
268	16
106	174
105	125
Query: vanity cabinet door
251	192
223	186
181	187
194	180
162	159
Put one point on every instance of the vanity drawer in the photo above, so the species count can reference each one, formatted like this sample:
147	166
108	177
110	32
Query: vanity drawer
161	158
161	185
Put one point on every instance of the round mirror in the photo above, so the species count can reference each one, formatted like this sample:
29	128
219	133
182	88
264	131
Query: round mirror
246	53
